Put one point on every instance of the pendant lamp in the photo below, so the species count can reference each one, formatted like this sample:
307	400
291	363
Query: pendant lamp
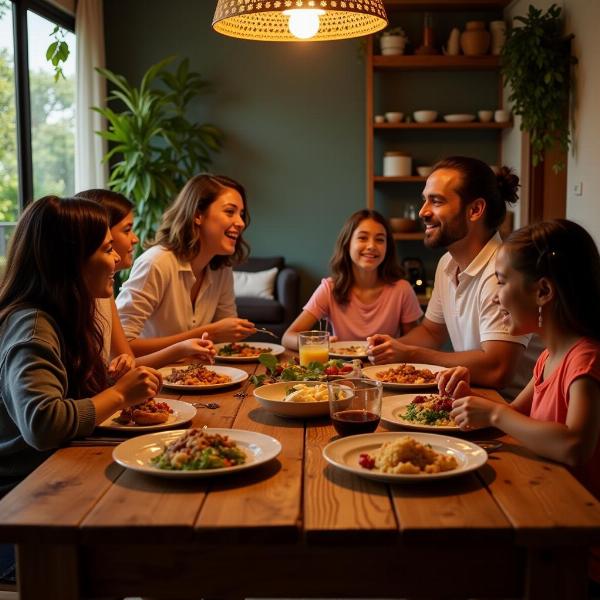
298	20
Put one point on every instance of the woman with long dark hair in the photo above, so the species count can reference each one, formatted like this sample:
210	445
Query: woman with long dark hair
367	292
53	382
182	287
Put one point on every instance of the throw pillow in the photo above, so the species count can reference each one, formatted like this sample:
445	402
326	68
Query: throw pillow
255	285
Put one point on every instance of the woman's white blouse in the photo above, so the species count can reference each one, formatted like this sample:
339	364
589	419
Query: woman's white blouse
155	301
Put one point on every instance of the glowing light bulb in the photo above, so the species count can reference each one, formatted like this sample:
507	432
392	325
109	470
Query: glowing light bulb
304	23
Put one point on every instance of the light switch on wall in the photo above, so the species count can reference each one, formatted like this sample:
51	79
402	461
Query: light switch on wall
578	188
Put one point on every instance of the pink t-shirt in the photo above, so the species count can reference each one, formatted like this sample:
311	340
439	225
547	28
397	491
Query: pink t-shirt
355	320
551	403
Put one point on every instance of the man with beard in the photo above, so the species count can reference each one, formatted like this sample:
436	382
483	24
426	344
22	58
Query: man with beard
464	203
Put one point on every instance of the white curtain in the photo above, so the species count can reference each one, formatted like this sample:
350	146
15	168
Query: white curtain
90	171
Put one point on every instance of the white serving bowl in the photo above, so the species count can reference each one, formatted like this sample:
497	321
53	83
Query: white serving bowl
424	171
394	117
425	116
459	118
271	397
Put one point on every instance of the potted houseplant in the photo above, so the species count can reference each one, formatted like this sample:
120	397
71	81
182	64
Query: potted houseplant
393	41
536	64
154	148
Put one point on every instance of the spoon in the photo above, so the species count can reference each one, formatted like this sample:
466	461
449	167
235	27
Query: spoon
267	332
211	405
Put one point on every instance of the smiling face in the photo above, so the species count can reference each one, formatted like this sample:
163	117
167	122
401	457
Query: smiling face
99	270
221	225
124	241
443	212
516	297
368	245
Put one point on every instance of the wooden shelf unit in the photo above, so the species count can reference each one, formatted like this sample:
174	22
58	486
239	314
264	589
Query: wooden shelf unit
376	63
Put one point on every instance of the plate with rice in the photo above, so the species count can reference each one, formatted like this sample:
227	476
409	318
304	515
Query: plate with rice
422	412
394	457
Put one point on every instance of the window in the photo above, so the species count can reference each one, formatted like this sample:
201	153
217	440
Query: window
9	175
37	114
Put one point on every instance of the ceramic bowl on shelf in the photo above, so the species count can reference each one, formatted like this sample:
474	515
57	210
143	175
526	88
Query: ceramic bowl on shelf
403	225
485	116
425	116
459	118
424	171
394	117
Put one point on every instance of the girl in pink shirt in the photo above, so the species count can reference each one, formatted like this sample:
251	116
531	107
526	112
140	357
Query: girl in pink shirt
366	293
549	276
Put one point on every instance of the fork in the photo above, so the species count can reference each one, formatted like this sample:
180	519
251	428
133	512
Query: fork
267	332
211	405
243	392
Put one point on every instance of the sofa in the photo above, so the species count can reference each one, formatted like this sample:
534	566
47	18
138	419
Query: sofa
254	281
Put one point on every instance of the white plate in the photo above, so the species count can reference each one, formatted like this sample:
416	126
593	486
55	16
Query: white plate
459	118
334	346
136	453
394	407
274	349
271	397
345	452
182	413
237	376
370	373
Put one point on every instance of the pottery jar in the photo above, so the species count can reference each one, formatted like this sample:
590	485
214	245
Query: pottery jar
453	45
475	40
397	164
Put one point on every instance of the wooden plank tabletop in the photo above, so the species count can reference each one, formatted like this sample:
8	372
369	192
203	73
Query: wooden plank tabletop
79	493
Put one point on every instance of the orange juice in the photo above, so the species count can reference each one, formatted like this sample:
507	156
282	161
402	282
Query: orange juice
316	353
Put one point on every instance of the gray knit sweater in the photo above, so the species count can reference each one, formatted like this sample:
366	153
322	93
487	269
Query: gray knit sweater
35	415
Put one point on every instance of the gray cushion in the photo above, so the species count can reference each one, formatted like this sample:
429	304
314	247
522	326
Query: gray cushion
259	310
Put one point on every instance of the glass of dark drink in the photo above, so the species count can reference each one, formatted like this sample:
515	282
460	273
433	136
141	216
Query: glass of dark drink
355	405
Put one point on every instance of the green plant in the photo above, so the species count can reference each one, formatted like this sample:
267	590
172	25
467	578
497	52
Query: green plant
536	63
58	51
155	149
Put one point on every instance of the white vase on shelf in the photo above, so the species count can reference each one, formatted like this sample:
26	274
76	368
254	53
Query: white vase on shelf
498	31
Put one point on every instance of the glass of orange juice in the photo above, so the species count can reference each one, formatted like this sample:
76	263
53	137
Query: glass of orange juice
313	346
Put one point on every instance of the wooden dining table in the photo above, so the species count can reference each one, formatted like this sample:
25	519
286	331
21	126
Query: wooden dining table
518	527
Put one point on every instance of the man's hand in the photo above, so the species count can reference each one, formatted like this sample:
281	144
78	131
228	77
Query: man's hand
383	349
120	365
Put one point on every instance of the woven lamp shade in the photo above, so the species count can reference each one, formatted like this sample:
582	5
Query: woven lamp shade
264	21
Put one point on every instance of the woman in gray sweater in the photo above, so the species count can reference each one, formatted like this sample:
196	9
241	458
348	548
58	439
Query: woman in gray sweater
53	382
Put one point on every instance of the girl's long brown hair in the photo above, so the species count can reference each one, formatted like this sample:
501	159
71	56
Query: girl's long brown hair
53	240
178	233
389	271
565	253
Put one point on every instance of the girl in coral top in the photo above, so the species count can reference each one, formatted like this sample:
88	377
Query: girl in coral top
549	276
367	292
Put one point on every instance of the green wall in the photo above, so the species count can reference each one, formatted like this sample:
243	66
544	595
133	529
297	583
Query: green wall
292	114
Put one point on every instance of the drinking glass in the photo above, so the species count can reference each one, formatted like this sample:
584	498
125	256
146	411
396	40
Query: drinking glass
313	346
355	405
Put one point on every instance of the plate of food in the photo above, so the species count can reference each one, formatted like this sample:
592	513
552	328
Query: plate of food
356	349
152	415
424	412
244	352
404	375
201	377
182	453
296	399
394	457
